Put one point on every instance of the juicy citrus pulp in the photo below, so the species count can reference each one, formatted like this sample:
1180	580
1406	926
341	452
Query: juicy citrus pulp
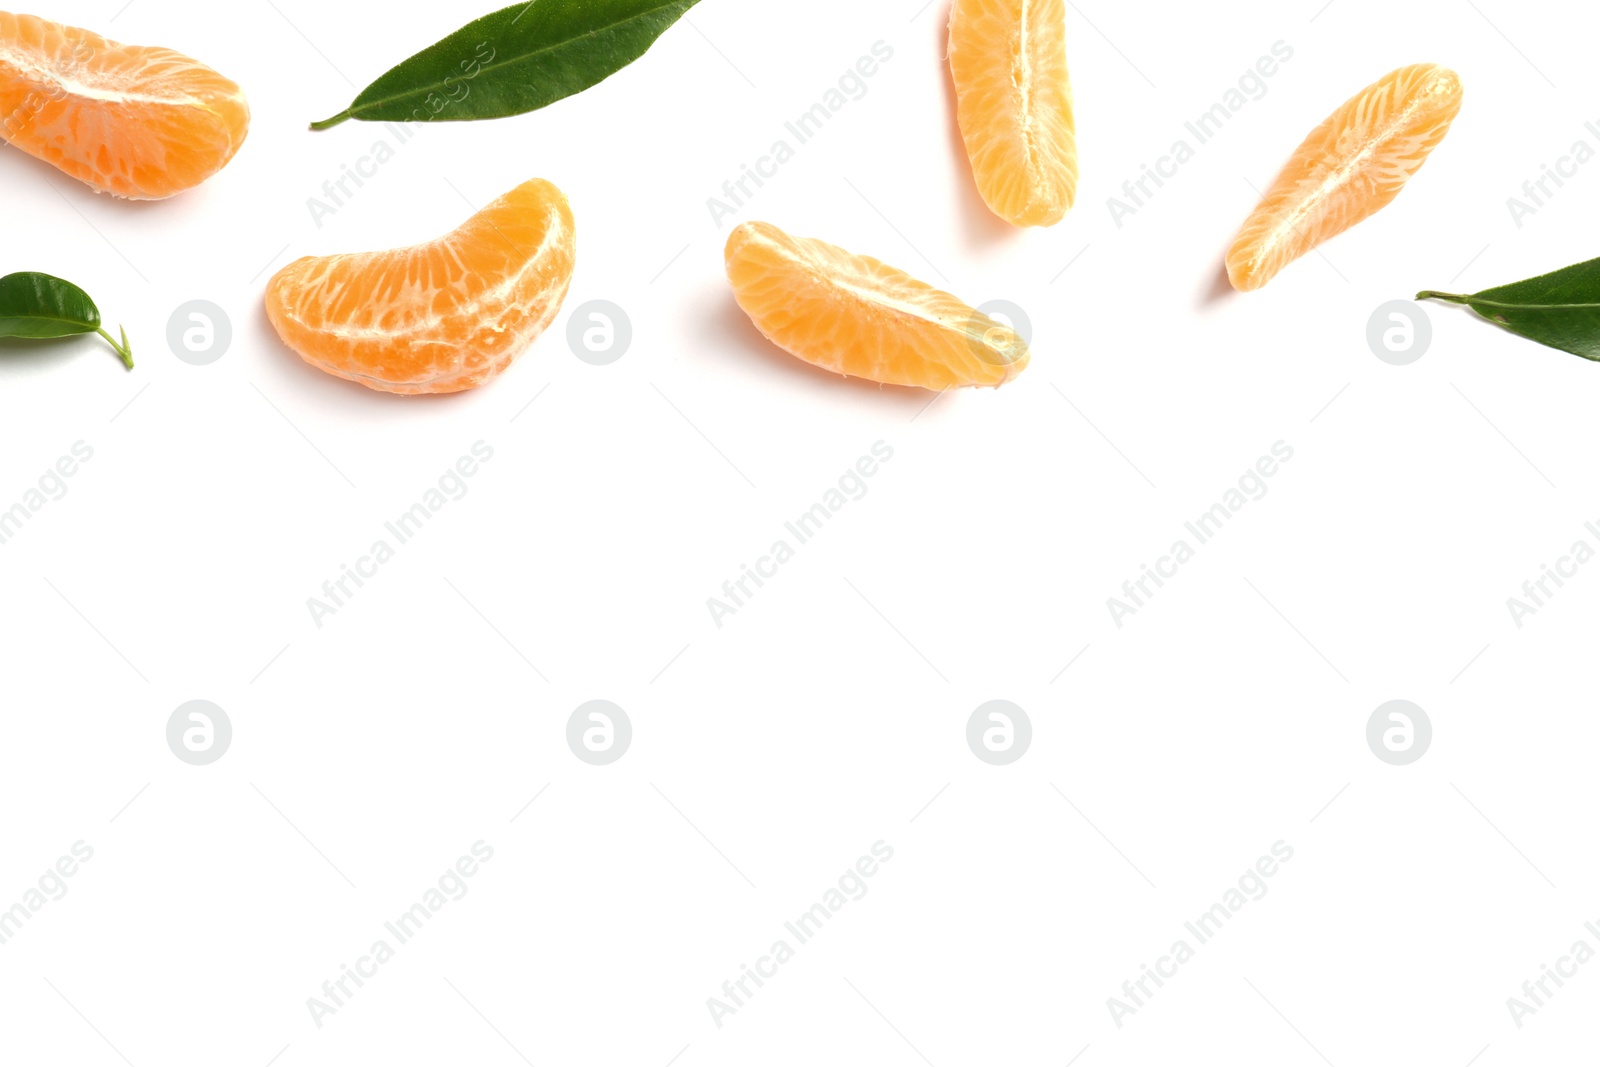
438	317
1347	169
856	316
138	122
1008	59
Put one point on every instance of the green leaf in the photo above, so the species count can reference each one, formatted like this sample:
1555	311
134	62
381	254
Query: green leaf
38	306
1560	309
520	59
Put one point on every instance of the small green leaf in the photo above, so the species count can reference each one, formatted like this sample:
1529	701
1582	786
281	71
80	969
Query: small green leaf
38	306
520	59
1560	309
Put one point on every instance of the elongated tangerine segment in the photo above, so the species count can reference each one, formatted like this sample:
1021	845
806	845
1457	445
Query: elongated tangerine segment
1008	59
134	121
854	315
439	317
1351	166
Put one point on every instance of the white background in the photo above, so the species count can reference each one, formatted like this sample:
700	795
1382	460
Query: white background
826	715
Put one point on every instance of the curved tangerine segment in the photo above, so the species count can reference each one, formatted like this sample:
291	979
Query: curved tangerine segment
1008	60
439	317
134	121
1351	166
854	315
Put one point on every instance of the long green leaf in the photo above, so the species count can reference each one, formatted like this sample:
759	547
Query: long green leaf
1560	309
37	306
520	59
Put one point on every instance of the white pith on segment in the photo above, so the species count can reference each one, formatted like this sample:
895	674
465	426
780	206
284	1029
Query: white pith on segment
1362	156
855	315
138	122
441	316
1014	105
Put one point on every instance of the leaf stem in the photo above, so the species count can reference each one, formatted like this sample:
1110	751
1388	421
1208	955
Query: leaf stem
1454	298
124	350
326	124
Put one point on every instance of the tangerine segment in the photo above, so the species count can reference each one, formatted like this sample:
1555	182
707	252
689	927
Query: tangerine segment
856	316
1008	59
1347	169
439	317
134	121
